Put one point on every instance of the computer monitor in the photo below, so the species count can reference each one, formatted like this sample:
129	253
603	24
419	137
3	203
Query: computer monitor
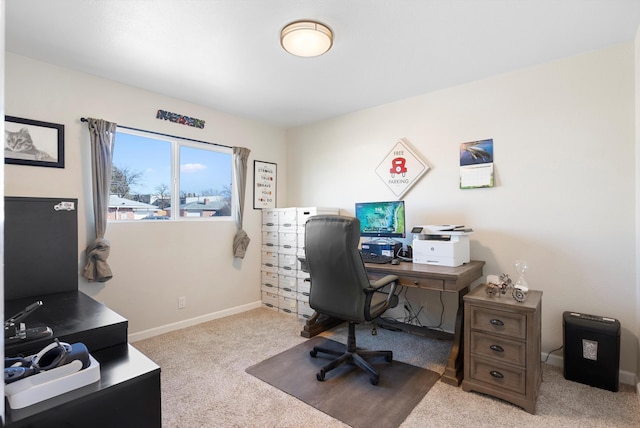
381	219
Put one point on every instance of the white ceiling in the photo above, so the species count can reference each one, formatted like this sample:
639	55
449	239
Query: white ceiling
226	54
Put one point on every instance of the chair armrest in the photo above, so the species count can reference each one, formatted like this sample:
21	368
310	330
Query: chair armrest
376	286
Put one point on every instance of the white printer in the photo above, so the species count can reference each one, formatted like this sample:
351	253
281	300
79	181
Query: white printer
443	244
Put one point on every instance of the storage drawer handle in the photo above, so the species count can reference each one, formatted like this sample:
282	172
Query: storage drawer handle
496	322
496	348
496	374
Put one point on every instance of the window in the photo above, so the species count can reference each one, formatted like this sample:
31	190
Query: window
165	178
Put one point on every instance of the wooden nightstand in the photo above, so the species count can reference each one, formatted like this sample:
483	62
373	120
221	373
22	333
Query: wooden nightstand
502	346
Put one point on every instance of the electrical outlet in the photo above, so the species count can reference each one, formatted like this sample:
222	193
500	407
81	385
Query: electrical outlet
182	302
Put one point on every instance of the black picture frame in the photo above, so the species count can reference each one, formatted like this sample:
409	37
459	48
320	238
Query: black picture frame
47	142
265	184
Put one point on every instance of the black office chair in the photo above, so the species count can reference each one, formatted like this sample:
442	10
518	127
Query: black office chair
340	287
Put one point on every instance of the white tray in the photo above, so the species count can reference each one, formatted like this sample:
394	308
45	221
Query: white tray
50	383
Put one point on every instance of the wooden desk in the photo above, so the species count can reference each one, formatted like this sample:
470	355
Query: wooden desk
428	277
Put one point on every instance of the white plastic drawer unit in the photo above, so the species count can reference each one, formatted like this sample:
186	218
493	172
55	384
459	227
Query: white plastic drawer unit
287	217
302	274
270	258
269	288
304	310
271	227
269	269
288	239
270	299
305	212
269	279
287	282
270	239
287	249
269	217
304	286
288	304
288	260
270	307
286	293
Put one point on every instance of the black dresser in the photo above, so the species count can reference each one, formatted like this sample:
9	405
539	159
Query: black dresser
40	250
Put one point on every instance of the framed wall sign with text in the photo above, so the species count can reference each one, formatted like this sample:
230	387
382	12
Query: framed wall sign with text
264	184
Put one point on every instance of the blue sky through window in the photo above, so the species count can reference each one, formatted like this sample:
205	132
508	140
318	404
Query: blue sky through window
200	170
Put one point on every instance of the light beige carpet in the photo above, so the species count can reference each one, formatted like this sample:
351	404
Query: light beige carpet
346	393
204	382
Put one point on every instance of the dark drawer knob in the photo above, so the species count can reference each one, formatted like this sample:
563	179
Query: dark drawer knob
496	348
496	374
496	322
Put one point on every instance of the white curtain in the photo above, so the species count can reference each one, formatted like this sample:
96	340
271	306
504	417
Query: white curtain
241	240
102	135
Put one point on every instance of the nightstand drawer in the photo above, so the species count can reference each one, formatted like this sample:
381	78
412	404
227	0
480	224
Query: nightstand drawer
511	324
499	375
498	348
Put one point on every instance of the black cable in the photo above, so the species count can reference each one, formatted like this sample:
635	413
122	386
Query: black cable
550	352
388	322
412	316
439	326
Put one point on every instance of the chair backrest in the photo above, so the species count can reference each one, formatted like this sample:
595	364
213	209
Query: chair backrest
337	272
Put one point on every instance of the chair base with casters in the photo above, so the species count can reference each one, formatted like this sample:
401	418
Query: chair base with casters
340	287
351	356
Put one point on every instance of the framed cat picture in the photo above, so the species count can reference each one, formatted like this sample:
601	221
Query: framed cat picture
33	142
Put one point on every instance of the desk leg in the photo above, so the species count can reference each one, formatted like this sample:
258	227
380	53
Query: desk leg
318	323
453	373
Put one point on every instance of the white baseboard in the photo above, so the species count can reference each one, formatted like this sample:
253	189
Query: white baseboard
628	378
133	337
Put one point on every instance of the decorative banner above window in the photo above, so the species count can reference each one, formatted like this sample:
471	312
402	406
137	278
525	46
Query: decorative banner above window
179	118
402	168
476	164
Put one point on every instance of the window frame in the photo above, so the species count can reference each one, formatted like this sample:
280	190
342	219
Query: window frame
176	143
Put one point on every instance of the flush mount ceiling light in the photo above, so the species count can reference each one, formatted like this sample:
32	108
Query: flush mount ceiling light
306	38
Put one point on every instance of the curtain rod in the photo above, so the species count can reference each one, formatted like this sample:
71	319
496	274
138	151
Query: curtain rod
84	119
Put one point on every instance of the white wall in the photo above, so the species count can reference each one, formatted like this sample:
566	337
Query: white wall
565	178
153	263
564	199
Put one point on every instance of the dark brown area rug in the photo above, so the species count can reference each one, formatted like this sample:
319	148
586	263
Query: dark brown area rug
346	393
